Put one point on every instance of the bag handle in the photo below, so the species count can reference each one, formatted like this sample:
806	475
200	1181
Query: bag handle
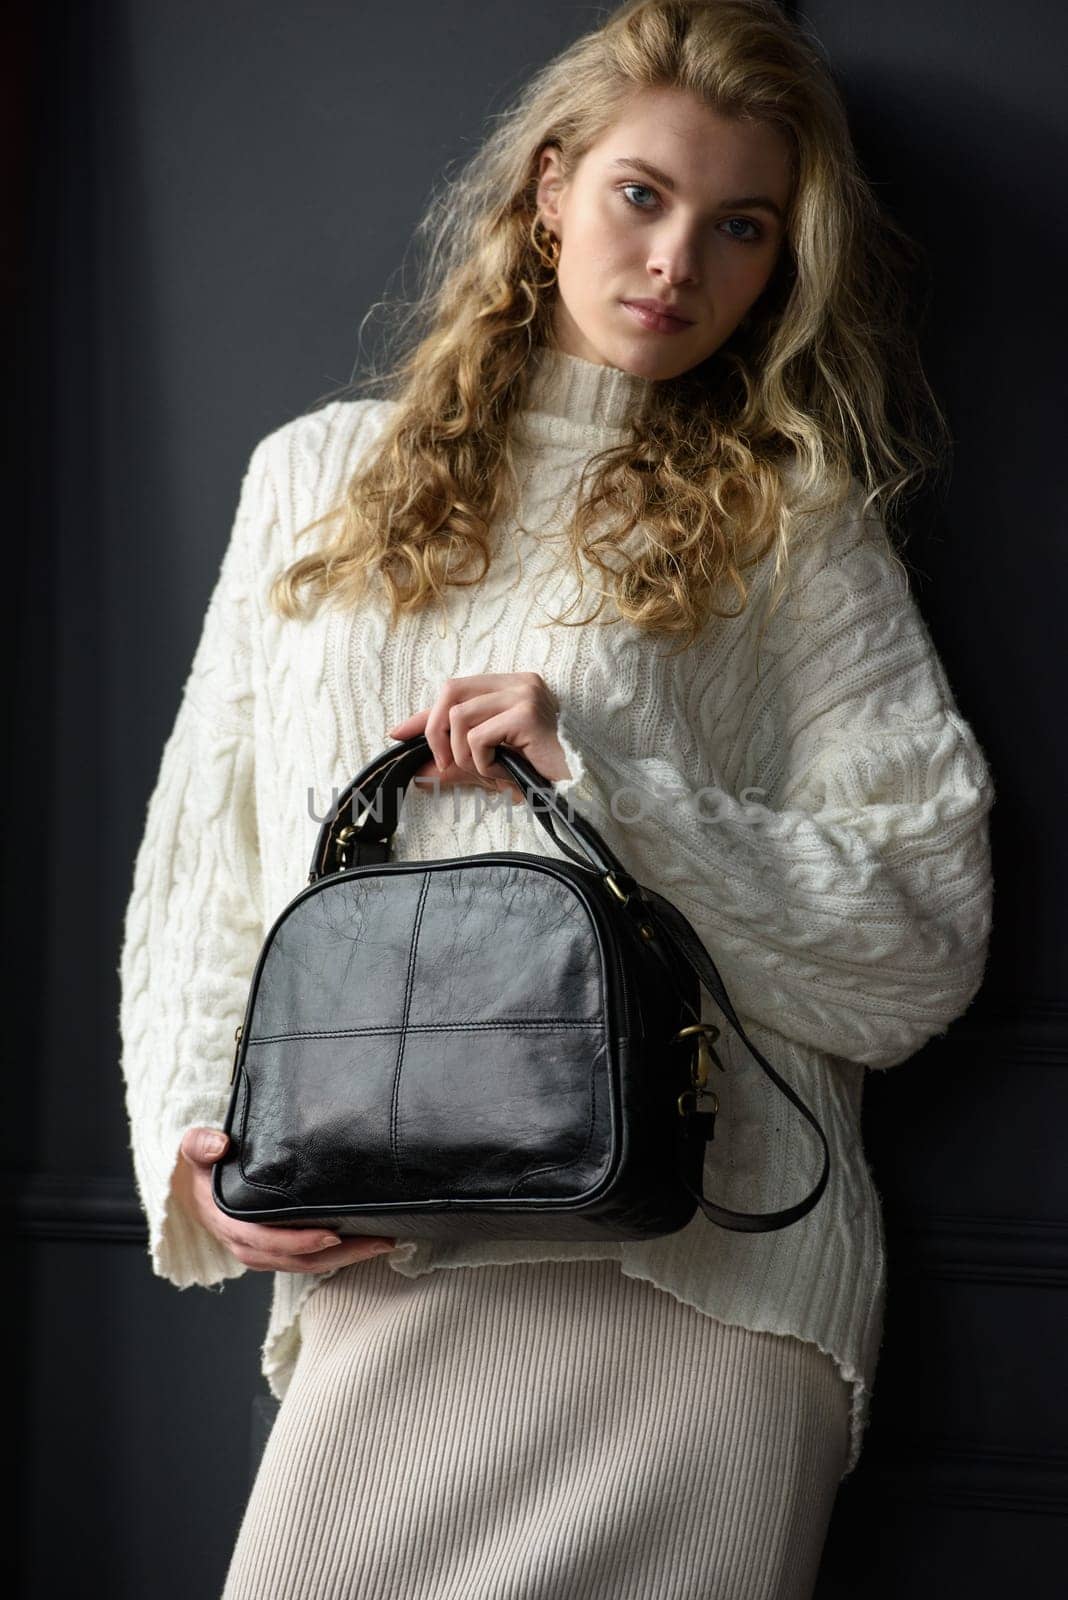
379	787
367	841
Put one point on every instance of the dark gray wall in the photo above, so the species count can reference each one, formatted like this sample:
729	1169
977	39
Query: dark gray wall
208	197
959	111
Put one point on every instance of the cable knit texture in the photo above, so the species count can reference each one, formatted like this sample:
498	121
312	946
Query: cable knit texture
820	815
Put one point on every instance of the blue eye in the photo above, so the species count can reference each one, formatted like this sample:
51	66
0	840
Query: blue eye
624	187
746	238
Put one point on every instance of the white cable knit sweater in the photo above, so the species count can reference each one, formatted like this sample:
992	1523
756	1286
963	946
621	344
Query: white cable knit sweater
824	826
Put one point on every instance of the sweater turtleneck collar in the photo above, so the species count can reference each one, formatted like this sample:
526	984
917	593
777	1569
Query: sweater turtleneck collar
580	394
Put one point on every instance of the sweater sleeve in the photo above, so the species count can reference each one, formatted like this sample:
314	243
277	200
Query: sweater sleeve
194	920
842	881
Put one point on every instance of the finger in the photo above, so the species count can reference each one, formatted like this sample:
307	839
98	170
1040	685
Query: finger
468	715
514	725
437	737
202	1147
365	1248
439	752
266	1240
408	726
342	1255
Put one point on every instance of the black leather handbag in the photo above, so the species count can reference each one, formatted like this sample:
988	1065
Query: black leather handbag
499	1045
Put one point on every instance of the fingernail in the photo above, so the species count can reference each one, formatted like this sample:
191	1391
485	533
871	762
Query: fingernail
380	1249
213	1144
326	1241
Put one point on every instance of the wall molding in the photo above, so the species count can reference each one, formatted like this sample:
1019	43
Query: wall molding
1026	1251
89	1210
977	1478
1029	1033
1022	1251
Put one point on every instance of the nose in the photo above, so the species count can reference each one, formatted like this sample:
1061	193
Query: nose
675	258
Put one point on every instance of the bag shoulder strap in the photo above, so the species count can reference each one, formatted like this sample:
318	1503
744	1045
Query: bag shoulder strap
680	938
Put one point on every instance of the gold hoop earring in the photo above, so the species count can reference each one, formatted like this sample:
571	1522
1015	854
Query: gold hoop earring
548	257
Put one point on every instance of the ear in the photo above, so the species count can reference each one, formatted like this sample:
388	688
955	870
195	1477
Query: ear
550	184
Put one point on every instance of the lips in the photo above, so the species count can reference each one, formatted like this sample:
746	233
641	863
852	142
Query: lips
658	321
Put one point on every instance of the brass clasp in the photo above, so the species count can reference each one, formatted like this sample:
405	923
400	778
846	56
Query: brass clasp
705	1054
709	1098
342	840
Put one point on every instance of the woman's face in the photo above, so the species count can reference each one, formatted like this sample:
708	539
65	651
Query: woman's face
702	234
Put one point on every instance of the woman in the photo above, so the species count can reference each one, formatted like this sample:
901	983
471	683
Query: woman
661	358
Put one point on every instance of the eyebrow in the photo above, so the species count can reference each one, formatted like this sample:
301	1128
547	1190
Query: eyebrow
750	202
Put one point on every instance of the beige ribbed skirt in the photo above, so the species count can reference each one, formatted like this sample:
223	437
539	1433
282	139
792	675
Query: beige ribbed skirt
547	1430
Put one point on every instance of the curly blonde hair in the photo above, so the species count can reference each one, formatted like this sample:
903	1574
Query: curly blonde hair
819	392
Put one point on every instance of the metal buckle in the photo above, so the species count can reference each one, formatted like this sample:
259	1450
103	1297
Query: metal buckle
705	1054
709	1109
342	839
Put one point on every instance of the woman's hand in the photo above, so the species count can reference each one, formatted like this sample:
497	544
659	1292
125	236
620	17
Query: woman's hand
471	716
264	1249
